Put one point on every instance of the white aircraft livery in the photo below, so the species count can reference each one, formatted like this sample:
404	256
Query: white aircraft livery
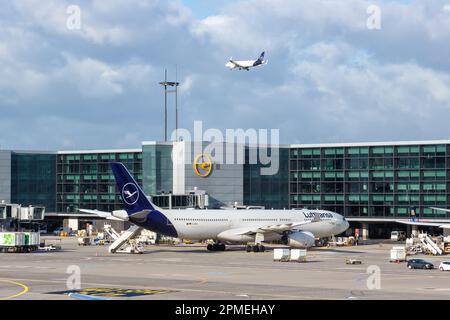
297	228
246	64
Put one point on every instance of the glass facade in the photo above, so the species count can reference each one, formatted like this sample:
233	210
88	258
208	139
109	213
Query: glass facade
33	179
158	168
85	180
357	180
270	191
372	181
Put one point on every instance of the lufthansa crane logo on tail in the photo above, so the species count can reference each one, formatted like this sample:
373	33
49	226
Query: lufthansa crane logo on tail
203	165
130	193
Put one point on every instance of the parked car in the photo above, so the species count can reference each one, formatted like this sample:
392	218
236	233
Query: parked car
419	264
444	266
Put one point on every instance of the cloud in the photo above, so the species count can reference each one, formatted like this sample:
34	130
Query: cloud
187	84
329	78
362	97
115	23
96	79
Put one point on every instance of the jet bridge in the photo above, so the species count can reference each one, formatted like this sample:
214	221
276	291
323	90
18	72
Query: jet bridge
126	242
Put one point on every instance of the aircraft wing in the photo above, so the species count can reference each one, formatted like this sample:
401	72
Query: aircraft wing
237	64
428	224
278	228
440	209
102	214
425	224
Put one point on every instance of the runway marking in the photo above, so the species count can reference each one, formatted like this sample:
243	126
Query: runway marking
24	289
284	296
85	297
112	292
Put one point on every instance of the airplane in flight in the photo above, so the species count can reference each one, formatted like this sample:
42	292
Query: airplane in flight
246	64
296	228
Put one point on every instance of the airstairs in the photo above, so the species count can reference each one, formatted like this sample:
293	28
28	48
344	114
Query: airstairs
126	242
113	234
430	244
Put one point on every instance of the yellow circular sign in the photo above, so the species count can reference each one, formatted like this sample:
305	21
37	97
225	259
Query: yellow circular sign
203	165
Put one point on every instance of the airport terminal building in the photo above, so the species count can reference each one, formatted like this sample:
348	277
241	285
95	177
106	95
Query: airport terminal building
370	183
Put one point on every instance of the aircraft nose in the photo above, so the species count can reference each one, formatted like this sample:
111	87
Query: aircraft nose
346	225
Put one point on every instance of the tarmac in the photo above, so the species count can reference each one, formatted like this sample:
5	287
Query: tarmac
192	272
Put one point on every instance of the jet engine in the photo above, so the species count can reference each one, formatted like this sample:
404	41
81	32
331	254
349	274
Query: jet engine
234	236
300	239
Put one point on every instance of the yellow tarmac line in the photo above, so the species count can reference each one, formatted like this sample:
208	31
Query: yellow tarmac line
24	289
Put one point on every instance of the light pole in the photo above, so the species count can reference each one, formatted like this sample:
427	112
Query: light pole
166	84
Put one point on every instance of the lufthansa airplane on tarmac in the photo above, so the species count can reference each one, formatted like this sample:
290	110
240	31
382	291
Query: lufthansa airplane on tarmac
246	64
296	228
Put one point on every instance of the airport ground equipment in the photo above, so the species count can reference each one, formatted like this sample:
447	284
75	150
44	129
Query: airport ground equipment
84	241
398	254
51	245
414	249
282	254
430	244
110	232
447	247
126	243
398	235
19	241
297	255
32	240
341	241
147	237
353	261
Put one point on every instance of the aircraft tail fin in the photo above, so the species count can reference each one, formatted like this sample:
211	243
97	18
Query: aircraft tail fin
133	198
261	57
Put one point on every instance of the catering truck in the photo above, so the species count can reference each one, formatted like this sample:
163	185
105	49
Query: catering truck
19	241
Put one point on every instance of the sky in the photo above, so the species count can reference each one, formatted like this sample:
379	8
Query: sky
330	78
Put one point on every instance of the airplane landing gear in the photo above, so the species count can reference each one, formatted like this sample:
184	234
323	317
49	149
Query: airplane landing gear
216	247
255	248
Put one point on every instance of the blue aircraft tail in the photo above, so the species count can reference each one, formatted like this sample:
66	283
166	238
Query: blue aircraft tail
261	57
134	199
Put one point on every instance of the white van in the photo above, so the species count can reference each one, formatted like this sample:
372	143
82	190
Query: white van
398	235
